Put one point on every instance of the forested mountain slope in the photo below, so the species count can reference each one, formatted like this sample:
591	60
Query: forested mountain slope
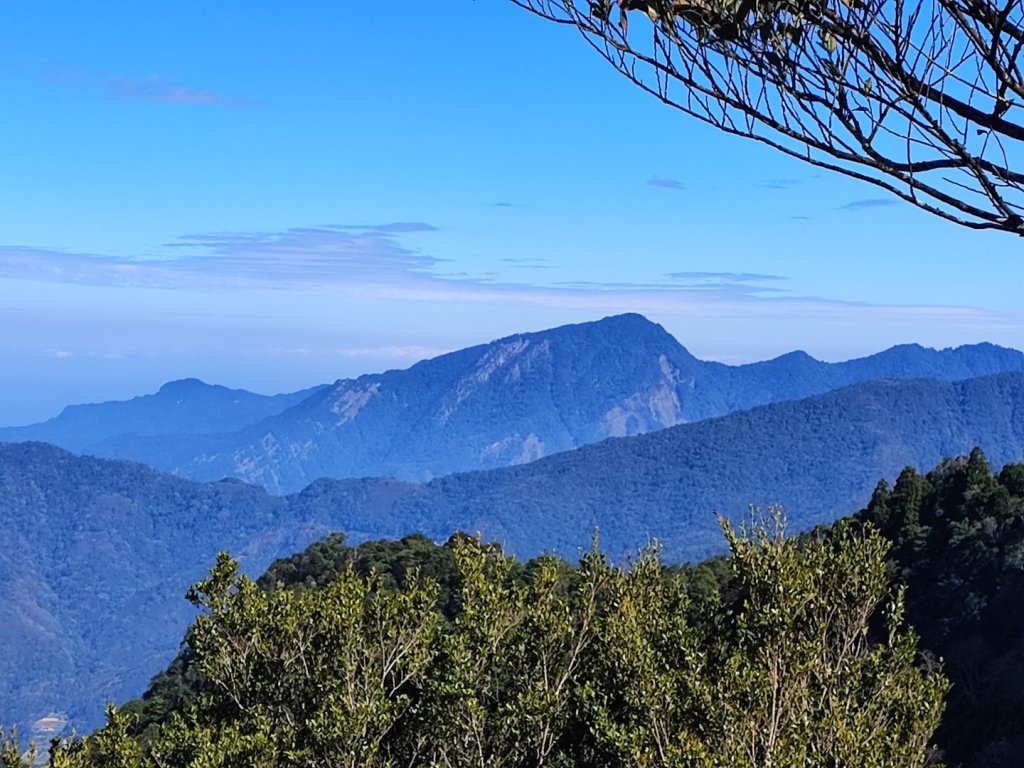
957	546
95	554
818	457
94	558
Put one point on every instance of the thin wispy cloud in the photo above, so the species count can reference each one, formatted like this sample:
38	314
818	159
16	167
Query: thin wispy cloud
734	277
295	258
411	352
698	305
778	183
388	352
311	256
868	204
734	283
371	261
163	91
394	228
526	262
722	288
666	183
154	88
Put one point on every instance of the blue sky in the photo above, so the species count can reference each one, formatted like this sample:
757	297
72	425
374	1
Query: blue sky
271	195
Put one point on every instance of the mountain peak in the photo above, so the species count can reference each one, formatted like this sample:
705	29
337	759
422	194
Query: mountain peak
797	356
907	349
629	326
179	386
795	360
629	329
629	321
627	318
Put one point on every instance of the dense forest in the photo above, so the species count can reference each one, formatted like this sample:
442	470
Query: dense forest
958	547
807	662
788	651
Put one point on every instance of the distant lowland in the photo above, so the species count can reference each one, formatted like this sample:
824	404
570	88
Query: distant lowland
111	511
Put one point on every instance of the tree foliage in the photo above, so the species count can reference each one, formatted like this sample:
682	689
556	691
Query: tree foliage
784	674
801	661
923	98
958	546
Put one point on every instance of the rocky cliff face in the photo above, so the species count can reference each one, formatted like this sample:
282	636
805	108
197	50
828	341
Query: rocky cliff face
505	403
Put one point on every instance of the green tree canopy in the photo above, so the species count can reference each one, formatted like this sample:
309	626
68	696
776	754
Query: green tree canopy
802	661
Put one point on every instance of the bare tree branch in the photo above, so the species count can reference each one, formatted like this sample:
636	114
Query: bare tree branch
922	98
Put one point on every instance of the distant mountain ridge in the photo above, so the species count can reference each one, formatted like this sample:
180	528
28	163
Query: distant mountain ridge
185	406
505	403
95	554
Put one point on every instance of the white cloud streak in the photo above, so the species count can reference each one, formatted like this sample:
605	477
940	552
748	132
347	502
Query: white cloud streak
369	261
163	91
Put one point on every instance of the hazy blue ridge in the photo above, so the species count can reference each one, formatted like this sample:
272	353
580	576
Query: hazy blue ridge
515	400
179	408
95	555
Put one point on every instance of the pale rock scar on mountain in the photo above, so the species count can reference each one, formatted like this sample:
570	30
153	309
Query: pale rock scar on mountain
533	449
523	364
351	401
259	468
655	408
514	449
302	450
493	360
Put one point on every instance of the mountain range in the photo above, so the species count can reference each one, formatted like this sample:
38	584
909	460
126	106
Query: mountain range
501	404
95	554
183	407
